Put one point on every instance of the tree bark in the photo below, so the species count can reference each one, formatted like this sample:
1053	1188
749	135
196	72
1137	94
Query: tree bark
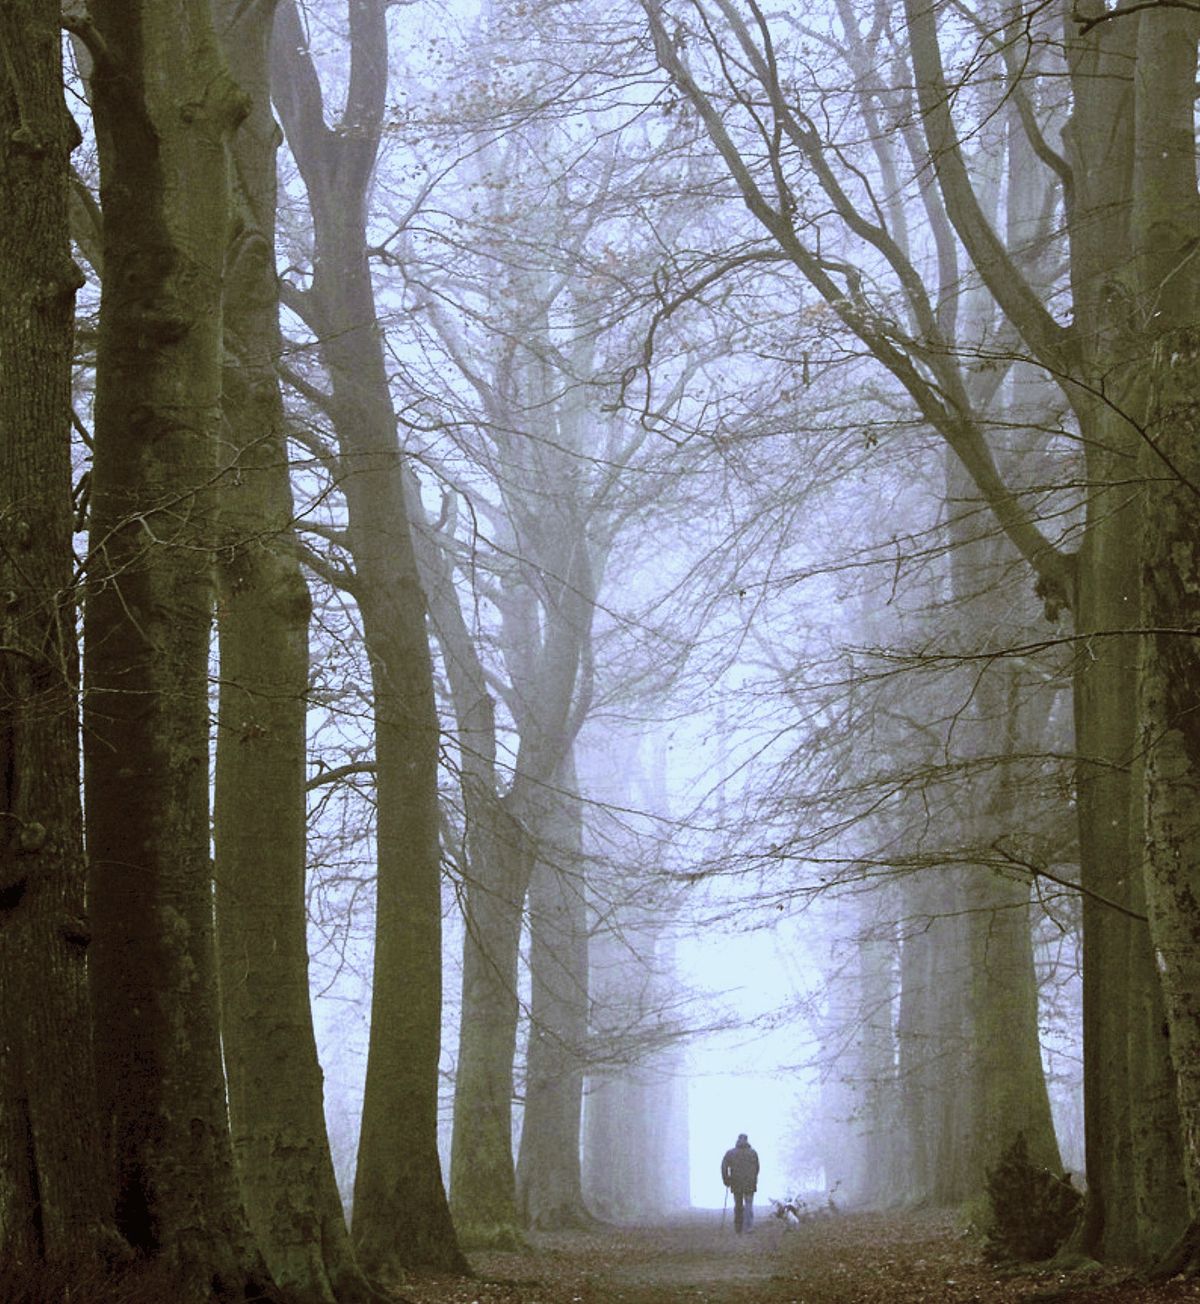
164	110
1165	227
275	1082
1134	1203
56	1200
482	1172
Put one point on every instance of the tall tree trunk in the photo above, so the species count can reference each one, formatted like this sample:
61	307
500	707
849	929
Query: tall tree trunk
1007	1084
919	1031
401	1216
543	639
884	1150
549	1178
635	1116
610	1146
1166	225
971	1073
482	1174
1130	1120
164	109
400	1208
879	1178
56	1203
1010	1094
1134	1202
275	1082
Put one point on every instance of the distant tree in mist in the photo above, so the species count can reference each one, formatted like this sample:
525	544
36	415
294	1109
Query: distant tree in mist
635	1134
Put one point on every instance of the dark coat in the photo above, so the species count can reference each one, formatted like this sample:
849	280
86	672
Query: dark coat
739	1168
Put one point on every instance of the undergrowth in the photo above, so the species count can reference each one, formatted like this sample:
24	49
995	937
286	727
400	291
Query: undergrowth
1031	1210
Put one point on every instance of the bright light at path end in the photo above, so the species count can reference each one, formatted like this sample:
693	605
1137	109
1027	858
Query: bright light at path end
719	1107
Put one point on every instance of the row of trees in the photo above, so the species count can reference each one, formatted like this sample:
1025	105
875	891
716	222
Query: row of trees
480	446
1095	208
202	1148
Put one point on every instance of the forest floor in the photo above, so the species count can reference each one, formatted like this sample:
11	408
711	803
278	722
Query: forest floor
872	1258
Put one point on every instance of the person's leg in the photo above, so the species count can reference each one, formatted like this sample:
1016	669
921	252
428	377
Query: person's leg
738	1197
748	1211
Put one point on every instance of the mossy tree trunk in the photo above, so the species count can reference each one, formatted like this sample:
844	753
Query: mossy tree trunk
1165	229
56	1198
275	1082
1134	1200
164	110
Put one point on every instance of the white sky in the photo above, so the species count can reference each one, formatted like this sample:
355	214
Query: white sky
745	1080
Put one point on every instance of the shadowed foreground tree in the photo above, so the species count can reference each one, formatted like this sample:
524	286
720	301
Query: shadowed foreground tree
1165	227
164	111
55	1196
263	608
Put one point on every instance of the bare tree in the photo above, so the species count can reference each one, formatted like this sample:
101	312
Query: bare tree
263	611
401	1216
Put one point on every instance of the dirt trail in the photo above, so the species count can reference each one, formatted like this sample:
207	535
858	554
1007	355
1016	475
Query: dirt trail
851	1259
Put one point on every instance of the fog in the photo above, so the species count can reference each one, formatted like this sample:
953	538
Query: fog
710	562
631	557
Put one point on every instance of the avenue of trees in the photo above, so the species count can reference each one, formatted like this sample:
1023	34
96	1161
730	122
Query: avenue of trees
488	496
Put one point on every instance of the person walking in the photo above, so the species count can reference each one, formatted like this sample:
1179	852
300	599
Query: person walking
739	1172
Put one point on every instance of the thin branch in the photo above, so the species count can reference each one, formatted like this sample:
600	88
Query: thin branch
1037	871
1086	24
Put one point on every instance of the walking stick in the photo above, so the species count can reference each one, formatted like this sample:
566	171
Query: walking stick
724	1208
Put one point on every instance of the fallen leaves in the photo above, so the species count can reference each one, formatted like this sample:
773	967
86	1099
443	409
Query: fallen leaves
895	1258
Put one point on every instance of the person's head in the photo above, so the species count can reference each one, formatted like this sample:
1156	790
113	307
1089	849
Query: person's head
743	1139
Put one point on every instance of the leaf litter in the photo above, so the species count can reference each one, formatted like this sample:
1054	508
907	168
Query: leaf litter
865	1258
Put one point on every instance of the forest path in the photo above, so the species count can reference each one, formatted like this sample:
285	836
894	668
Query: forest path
842	1259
